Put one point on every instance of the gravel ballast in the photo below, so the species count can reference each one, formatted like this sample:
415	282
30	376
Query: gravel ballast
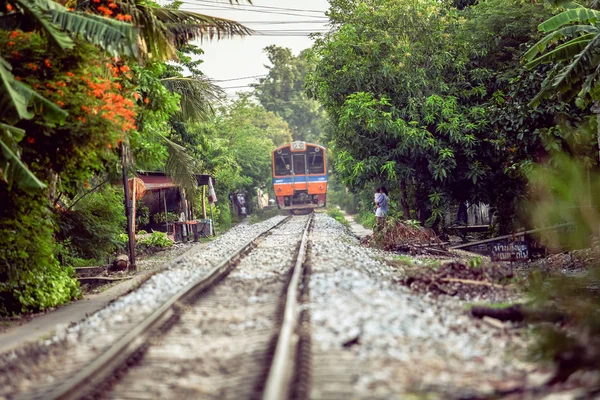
399	342
70	348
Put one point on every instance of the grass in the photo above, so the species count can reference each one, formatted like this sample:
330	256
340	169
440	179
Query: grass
489	305
337	214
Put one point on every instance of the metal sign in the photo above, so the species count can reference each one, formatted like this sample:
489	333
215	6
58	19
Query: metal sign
298	146
509	251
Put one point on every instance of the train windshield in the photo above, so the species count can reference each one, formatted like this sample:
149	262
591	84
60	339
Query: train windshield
315	162
282	164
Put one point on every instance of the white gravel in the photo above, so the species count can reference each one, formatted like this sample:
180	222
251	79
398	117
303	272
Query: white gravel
408	343
86	339
99	328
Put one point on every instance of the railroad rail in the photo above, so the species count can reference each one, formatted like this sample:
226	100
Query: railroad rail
101	373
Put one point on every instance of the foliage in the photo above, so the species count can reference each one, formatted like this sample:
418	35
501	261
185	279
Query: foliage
282	92
575	33
566	195
56	22
432	101
90	227
235	147
156	239
31	278
159	218
161	30
142	216
336	214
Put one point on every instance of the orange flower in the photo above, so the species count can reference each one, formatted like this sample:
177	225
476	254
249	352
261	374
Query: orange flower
9	8
146	100
124	68
18	78
10	44
136	95
104	10
112	5
14	34
60	103
70	74
109	145
30	140
47	62
36	85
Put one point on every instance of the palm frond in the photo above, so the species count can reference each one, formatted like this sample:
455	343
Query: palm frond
163	30
116	37
198	94
180	166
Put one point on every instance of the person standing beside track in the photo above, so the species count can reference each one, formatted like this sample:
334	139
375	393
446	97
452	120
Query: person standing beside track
382	207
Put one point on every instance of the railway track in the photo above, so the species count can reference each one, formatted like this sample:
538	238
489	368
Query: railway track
230	334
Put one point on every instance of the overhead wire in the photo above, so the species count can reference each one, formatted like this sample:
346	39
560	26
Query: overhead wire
263	7
208	7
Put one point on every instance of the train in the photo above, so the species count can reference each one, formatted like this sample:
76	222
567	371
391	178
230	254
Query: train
300	176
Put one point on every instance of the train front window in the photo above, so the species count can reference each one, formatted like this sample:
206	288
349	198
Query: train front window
315	163
299	164
282	164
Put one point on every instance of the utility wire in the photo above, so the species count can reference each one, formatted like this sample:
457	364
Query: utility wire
264	7
240	78
198	7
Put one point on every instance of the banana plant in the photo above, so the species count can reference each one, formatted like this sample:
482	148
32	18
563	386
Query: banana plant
572	44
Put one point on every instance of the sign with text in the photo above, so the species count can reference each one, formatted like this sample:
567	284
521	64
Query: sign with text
509	251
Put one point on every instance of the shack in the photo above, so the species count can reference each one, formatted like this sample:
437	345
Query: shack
168	205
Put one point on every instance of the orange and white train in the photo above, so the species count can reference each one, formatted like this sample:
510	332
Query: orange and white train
300	176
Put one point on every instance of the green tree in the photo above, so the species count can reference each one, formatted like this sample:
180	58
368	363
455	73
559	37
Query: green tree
282	92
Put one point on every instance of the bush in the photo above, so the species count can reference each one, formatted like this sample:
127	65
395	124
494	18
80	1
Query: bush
159	218
31	278
142	215
222	214
92	225
157	239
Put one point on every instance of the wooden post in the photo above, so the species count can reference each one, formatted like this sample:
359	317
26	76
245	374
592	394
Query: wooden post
130	234
203	202
212	219
133	204
166	213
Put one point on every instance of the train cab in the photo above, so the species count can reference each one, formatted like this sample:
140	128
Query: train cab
300	176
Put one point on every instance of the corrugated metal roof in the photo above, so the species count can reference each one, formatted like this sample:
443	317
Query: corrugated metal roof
156	180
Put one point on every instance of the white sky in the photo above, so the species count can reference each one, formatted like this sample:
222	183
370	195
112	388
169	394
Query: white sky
284	23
